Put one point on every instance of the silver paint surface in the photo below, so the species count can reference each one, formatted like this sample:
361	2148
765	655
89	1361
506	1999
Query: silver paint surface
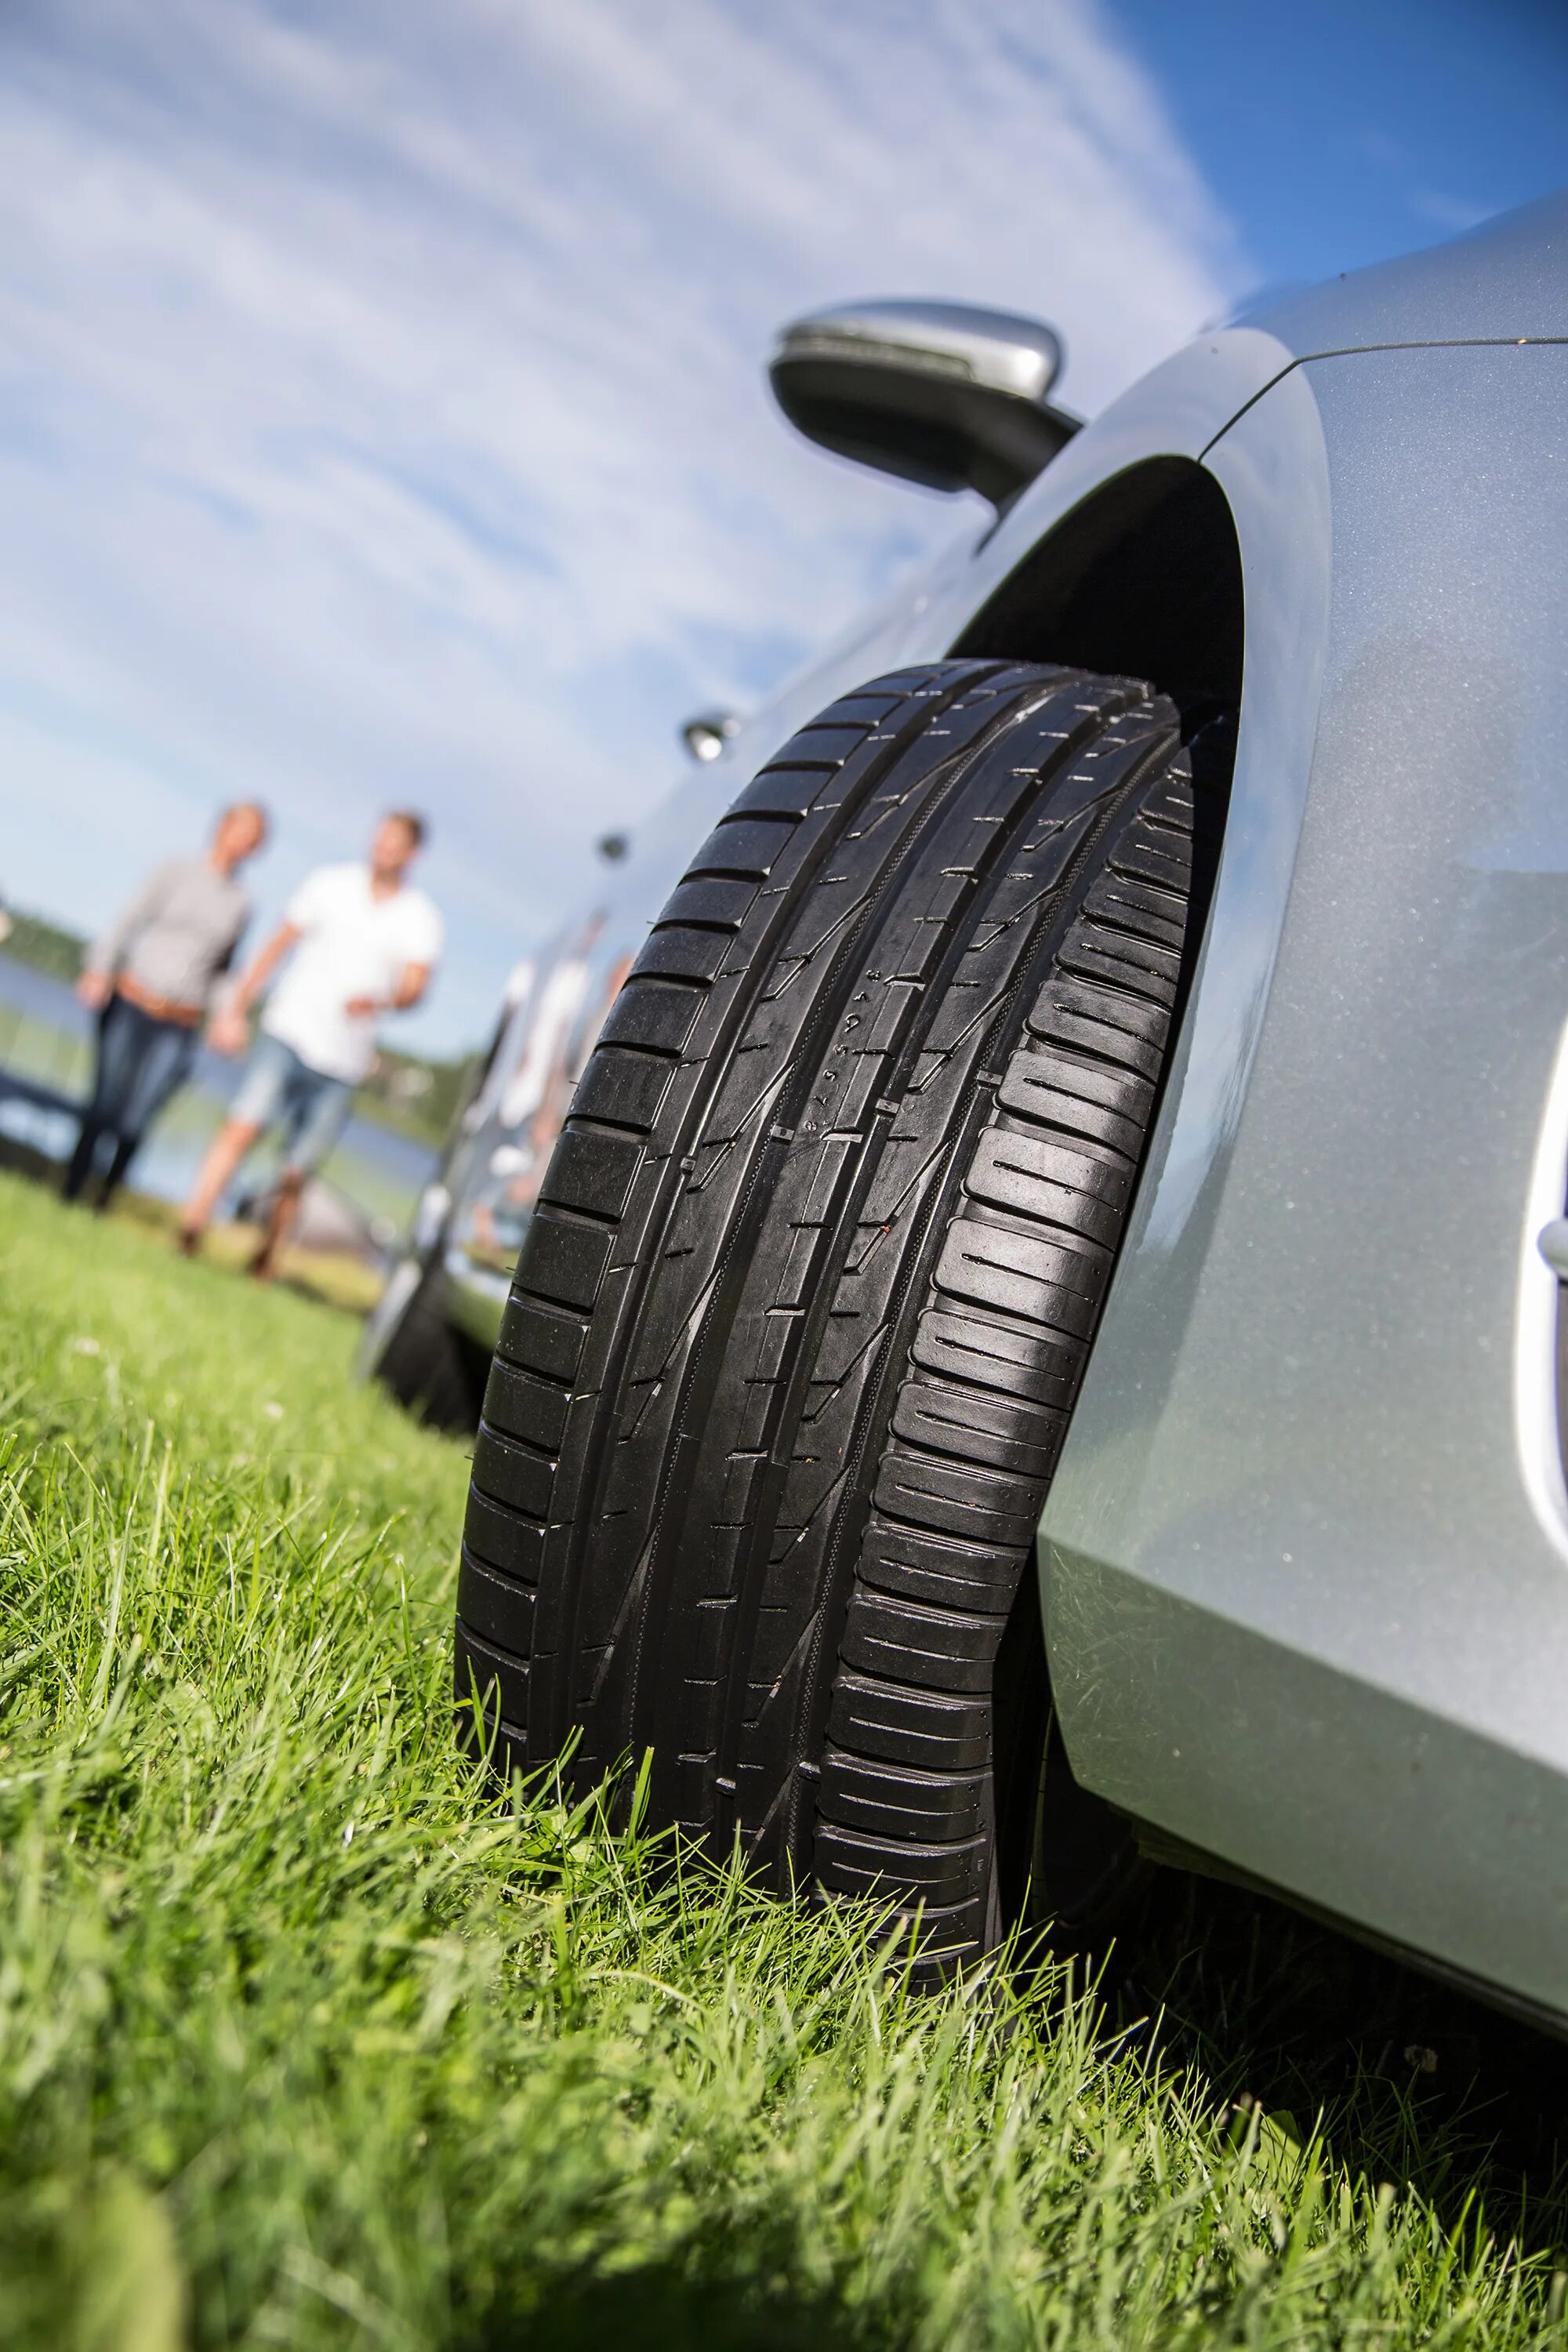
1307	1590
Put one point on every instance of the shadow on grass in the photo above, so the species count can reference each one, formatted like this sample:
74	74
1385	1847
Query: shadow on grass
678	2306
1413	2083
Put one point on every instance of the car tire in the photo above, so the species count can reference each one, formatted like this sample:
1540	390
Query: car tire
411	1349
813	1276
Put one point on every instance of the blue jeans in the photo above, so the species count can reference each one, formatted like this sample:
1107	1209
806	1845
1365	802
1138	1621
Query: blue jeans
280	1090
140	1061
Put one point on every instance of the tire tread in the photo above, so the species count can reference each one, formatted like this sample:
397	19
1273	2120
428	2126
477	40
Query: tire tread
798	1322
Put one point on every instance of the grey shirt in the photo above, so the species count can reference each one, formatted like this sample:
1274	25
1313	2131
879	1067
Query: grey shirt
178	933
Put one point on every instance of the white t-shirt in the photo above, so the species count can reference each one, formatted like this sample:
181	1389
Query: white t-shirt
351	944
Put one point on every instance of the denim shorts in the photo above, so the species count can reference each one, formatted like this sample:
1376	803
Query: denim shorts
280	1090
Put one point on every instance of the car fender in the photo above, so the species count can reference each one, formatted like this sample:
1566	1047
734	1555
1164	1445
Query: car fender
1304	1564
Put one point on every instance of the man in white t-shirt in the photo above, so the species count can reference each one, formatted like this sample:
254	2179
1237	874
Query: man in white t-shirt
359	941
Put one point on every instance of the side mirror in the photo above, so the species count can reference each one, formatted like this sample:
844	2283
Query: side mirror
933	392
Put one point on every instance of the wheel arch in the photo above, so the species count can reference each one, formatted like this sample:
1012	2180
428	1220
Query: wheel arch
1142	578
1209	574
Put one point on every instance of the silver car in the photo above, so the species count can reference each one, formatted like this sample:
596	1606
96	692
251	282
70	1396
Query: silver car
1037	1348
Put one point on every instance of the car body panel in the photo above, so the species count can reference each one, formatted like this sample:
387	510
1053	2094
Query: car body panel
1505	282
1306	1589
1305	1559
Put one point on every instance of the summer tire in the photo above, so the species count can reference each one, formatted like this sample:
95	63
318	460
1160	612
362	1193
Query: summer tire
801	1315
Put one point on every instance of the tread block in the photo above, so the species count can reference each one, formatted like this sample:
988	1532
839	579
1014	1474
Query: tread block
591	1172
960	1498
939	1649
917	679
827	743
746	847
1153	914
525	1407
492	1677
713	898
940	1571
786	793
540	1340
861	710
1034	1088
1108	1007
1161	963
504	1472
1126	1092
501	1539
1087	960
496	1608
1037	1176
1033	1366
1039	1280
939	1939
505	1749
562	1262
1172	799
623	1088
678	952
997	1431
892	1803
1062	1024
655	1013
934	1731
1167	863
850	1863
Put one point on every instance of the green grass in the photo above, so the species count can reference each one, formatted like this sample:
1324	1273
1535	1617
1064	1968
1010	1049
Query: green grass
305	2039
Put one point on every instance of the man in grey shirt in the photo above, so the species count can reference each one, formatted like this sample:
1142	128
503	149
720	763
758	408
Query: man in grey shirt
150	979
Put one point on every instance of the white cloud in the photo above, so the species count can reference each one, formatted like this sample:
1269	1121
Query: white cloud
381	406
1453	214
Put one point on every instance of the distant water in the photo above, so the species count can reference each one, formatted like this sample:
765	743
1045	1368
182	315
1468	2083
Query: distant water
46	1037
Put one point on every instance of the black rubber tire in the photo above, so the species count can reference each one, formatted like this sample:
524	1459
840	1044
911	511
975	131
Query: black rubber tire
802	1313
428	1366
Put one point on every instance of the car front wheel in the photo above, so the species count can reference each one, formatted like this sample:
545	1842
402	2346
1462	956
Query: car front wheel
811	1284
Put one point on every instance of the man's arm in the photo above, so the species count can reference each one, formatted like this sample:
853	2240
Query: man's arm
230	1031
411	984
106	955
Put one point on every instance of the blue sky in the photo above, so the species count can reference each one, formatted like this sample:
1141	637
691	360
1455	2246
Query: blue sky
381	407
1335	132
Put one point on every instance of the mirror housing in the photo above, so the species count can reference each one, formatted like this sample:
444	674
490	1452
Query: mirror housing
936	392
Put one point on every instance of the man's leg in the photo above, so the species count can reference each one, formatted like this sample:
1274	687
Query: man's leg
118	1052
223	1154
315	1112
166	1061
258	1102
81	1164
126	1147
280	1223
